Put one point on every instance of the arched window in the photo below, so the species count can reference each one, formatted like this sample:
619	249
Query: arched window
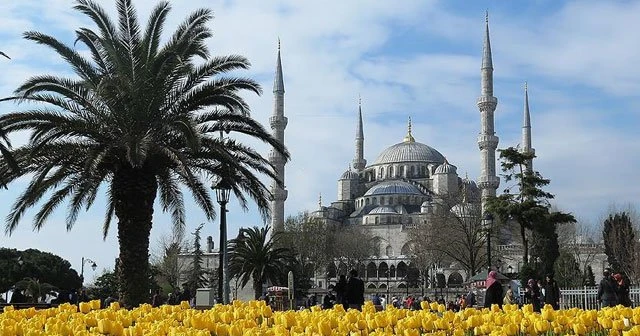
402	285
381	172
401	271
455	280
391	171
375	201
392	271
371	286
401	170
406	249
389	251
377	220
383	270
372	271
413	171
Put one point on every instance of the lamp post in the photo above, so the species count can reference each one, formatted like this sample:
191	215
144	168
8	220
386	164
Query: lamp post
386	274
93	267
223	190
488	223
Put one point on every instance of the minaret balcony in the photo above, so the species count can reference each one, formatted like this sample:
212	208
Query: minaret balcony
487	103
488	182
278	122
487	141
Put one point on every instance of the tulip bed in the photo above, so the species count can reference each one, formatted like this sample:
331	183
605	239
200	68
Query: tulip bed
255	318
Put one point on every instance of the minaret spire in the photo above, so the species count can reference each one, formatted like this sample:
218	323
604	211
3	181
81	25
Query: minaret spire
488	182
526	129
358	161
278	81
278	124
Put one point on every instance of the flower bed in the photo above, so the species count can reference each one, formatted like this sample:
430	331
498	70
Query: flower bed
255	318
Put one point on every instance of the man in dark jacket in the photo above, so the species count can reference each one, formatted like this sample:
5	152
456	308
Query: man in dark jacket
607	290
354	292
552	292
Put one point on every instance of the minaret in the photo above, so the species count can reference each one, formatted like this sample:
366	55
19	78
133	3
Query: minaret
278	123
488	182
526	130
359	162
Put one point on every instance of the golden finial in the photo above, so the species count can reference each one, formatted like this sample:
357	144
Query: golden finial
486	16
409	137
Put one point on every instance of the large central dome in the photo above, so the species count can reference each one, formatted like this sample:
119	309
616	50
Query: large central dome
409	151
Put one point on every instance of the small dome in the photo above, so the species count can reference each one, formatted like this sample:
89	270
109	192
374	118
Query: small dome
383	210
393	187
349	175
426	204
446	168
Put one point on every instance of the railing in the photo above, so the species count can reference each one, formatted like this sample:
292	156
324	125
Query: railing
586	297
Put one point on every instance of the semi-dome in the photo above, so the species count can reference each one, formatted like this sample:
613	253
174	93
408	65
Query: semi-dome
349	175
393	187
446	168
409	151
382	210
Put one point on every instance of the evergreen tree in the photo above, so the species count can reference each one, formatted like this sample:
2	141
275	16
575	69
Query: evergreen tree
620	244
545	249
197	274
589	279
529	206
567	271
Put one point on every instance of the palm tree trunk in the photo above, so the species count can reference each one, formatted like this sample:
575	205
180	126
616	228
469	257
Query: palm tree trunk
134	191
257	288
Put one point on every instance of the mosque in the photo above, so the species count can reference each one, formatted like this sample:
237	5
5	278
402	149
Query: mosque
402	188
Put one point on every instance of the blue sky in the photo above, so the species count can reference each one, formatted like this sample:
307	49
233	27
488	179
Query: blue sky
418	59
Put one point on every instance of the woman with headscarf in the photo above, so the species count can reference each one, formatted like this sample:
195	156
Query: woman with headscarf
532	295
494	291
622	290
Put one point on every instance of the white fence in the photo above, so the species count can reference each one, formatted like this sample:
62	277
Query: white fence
586	297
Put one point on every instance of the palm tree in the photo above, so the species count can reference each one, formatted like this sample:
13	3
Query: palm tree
4	149
35	290
254	255
142	118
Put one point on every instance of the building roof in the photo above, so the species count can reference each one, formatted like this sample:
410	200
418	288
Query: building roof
393	187
409	151
381	210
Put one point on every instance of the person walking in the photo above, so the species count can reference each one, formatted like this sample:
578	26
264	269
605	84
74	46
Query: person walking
340	289
494	291
532	295
354	293
622	290
552	292
607	290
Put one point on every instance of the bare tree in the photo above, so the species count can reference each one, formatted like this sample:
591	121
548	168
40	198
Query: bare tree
353	245
454	233
165	258
311	239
